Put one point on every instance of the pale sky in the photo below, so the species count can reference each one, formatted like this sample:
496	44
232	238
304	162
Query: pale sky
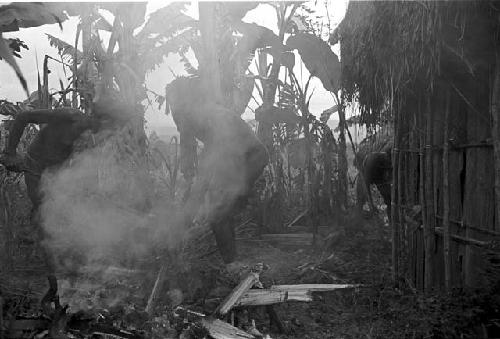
38	44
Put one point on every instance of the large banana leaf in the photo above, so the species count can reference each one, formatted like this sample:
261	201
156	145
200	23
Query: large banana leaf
28	14
23	15
153	50
318	58
6	54
166	21
131	13
236	10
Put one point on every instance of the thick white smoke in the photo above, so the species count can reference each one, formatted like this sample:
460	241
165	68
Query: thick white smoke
97	209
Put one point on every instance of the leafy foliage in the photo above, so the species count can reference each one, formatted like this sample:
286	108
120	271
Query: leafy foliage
65	49
318	58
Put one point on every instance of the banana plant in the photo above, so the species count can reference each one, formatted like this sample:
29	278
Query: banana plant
135	47
15	16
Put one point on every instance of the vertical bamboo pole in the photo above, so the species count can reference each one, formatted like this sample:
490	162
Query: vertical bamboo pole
342	155
429	199
395	188
495	113
420	251
400	199
446	198
411	189
394	191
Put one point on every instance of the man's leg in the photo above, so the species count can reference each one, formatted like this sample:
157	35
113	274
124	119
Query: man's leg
33	187
226	238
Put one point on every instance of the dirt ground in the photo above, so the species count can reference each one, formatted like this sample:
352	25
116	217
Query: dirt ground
356	253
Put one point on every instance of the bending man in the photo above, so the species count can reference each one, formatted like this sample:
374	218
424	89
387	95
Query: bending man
232	159
51	147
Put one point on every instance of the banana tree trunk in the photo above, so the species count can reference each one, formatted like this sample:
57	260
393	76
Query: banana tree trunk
210	69
86	24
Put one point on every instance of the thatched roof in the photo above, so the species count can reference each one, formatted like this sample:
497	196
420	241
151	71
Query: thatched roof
400	49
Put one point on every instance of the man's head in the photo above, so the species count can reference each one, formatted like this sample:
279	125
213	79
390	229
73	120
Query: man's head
109	112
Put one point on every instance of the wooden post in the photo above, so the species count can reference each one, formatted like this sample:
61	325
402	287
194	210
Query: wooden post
428	202
495	113
446	198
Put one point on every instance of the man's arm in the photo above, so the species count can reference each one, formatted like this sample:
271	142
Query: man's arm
38	116
188	146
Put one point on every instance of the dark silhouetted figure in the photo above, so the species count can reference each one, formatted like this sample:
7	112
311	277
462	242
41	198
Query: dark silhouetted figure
232	159
51	147
376	170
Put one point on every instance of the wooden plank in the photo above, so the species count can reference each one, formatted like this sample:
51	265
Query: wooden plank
314	287
219	329
245	284
261	297
300	236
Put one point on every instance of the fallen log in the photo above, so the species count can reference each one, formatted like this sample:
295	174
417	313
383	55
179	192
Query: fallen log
219	329
245	284
263	297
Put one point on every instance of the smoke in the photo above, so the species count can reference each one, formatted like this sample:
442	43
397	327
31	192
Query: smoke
100	208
